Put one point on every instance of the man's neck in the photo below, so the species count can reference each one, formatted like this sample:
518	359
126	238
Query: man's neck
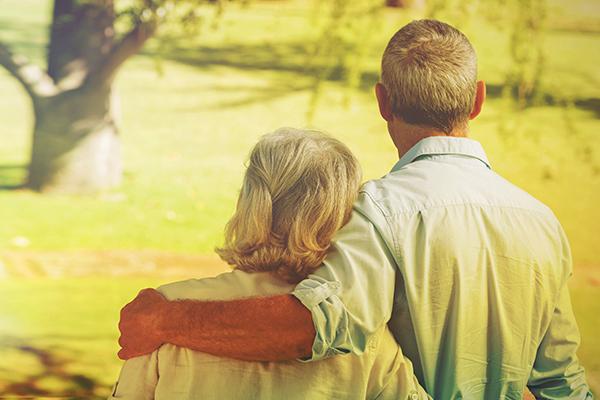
406	136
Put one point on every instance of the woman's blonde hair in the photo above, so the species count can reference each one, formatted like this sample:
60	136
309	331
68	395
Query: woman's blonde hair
297	192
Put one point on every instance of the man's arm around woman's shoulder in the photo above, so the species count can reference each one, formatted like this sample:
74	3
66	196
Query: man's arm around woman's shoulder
331	312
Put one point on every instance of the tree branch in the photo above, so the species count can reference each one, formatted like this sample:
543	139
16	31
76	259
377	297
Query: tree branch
36	81
129	45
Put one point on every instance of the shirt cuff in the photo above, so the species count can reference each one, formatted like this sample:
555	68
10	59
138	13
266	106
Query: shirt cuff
319	296
313	291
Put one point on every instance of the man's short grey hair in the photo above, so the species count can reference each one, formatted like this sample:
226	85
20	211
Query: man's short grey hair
429	70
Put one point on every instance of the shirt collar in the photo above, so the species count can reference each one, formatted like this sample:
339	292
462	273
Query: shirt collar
443	145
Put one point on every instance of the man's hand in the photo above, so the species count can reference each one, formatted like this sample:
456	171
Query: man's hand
140	324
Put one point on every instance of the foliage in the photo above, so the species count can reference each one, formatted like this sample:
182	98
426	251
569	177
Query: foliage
526	45
350	24
526	22
341	47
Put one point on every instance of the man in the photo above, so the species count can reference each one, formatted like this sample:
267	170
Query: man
469	272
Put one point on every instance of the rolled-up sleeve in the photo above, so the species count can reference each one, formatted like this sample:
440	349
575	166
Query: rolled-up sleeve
351	295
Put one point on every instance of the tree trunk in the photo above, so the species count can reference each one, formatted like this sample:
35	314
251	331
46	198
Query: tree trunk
419	4
75	143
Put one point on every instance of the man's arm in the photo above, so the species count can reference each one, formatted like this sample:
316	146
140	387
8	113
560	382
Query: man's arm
341	305
351	295
556	373
263	328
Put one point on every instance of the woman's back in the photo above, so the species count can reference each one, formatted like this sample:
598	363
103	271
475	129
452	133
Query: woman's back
177	373
297	192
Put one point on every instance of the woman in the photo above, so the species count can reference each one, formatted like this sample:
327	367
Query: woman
298	190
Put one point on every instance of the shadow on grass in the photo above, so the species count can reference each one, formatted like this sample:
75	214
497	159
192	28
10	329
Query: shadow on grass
294	59
52	378
591	104
291	57
275	89
12	177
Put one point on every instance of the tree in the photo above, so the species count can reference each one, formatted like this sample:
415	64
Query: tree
76	146
75	137
405	3
524	23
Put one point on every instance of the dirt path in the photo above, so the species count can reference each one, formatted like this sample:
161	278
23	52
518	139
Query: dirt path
81	263
53	264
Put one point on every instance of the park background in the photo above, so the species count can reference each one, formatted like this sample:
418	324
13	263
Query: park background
195	99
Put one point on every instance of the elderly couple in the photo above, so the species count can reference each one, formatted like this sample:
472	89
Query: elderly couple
440	279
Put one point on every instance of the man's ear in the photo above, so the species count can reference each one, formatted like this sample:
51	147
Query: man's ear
479	99
385	107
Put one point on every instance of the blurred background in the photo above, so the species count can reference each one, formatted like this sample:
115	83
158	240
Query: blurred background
124	127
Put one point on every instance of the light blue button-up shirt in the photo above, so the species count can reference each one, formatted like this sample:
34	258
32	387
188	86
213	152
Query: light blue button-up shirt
468	271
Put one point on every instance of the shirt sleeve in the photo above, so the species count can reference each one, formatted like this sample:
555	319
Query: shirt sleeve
351	295
138	378
556	372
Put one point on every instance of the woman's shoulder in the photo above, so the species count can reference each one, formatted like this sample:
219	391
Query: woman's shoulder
226	286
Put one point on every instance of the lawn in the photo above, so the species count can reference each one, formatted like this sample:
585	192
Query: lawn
67	264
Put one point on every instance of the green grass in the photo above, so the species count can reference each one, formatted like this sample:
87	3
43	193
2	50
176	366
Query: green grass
80	337
186	134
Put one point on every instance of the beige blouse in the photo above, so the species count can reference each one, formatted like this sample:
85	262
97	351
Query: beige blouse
176	373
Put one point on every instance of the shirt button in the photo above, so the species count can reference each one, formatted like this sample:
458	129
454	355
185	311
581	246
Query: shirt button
414	396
